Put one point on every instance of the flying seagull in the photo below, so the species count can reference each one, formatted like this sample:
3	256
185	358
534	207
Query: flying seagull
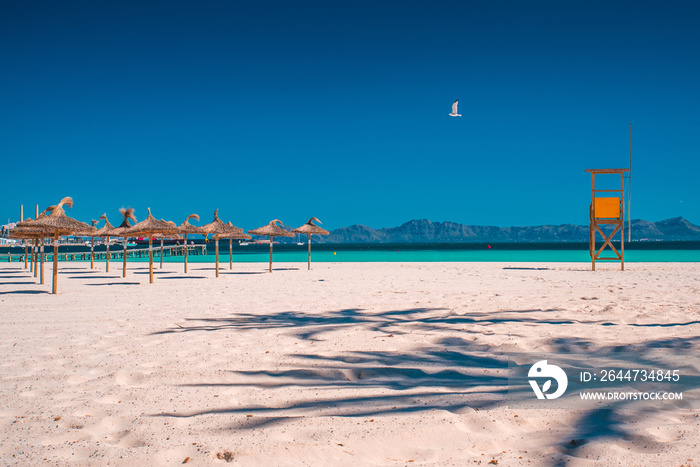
454	110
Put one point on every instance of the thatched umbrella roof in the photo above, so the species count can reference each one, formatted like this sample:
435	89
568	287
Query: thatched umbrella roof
26	228
89	232
57	223
149	227
230	231
106	229
311	228
122	230
271	230
127	214
215	226
172	234
220	230
26	232
187	228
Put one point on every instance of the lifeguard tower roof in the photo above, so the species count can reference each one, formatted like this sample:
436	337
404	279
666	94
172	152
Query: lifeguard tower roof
607	171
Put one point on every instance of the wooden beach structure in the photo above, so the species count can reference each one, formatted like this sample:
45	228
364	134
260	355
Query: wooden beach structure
311	229
186	228
174	235
149	228
105	232
121	231
607	208
91	232
231	232
56	225
220	230
272	230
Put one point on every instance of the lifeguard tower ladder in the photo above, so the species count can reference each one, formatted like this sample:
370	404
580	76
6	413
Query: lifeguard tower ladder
607	210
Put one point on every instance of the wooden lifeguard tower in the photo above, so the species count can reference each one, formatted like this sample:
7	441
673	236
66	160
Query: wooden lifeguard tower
608	209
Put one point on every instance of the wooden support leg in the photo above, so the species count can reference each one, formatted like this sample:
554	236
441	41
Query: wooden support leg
55	265
150	258
185	253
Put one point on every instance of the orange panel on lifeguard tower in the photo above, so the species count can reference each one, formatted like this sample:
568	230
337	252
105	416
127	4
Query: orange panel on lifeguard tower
607	208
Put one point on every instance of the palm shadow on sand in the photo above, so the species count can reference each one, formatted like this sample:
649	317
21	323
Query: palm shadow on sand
455	374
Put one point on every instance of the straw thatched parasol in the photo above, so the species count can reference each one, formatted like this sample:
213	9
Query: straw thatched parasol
311	229
230	231
122	231
106	232
90	233
162	237
187	228
25	231
271	230
150	227
57	224
215	227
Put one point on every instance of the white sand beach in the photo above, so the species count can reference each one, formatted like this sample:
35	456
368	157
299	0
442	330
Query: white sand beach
346	364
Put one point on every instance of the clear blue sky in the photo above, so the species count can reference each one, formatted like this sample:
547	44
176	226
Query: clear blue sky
338	109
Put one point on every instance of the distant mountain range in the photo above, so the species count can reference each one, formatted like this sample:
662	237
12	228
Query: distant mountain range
425	231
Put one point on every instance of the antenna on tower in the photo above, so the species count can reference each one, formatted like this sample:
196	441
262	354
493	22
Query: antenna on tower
629	194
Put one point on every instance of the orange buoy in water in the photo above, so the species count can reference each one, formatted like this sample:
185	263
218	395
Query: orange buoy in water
489	246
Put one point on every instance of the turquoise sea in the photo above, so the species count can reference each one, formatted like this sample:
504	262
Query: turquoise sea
515	252
430	252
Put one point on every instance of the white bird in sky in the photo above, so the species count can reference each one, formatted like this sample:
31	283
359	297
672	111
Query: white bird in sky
454	110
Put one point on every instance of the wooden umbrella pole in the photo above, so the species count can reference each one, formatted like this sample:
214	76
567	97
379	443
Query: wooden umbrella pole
230	252
36	257
124	266
270	253
107	255
150	258
42	261
55	264
185	253
36	248
21	218
92	252
161	253
309	252
31	257
216	242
